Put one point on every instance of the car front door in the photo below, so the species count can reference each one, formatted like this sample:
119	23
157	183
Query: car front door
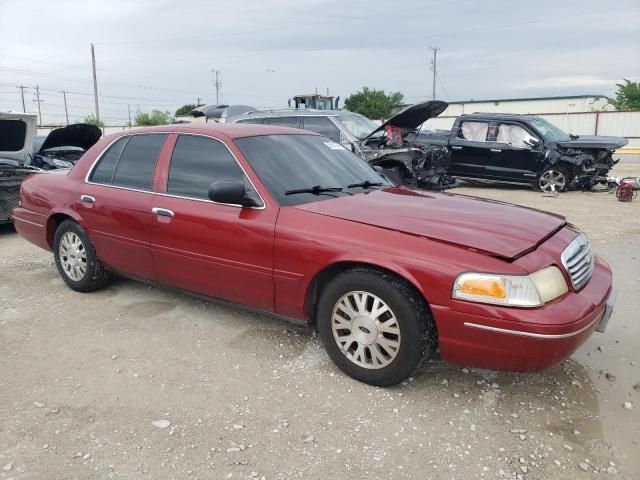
512	156
115	203
219	250
469	150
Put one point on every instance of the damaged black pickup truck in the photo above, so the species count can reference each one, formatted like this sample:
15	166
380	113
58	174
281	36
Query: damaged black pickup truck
524	149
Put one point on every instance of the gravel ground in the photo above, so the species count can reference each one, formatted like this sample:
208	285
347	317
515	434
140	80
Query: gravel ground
144	382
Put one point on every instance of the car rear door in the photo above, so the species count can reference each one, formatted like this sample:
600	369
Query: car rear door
219	250
115	203
469	149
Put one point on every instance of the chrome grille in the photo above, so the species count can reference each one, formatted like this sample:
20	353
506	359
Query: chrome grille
578	261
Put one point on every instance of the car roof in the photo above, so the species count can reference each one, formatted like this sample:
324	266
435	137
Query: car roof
291	113
497	116
231	130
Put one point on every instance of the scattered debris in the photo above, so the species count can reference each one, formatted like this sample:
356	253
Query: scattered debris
308	438
8	467
610	376
628	405
161	423
38	404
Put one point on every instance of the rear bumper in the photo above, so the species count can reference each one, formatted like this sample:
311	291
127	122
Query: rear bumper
532	340
31	226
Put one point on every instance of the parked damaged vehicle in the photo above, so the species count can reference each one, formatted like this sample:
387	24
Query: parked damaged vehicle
63	147
525	149
291	223
394	147
17	131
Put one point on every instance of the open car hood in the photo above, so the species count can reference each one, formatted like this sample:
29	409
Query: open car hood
598	142
80	135
413	116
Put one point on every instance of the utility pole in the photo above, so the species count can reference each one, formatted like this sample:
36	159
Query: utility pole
129	108
218	84
66	112
22	87
95	82
38	100
198	101
433	65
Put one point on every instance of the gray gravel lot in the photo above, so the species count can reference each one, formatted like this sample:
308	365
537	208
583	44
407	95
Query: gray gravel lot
85	380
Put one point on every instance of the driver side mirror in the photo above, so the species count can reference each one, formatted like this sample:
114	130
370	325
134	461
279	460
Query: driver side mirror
532	142
231	192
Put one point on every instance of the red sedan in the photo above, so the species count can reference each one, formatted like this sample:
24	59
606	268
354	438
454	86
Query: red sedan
291	223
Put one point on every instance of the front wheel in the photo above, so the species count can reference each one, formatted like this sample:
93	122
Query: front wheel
76	258
375	327
554	179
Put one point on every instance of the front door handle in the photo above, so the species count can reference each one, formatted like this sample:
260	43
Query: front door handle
87	199
162	212
496	150
455	147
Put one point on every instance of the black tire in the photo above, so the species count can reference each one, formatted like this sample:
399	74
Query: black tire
564	171
95	275
418	336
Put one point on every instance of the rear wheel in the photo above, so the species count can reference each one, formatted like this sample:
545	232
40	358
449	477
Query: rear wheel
76	259
374	326
554	178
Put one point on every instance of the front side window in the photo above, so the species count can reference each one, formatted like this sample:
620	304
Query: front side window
138	161
197	162
287	163
474	131
513	135
291	122
323	126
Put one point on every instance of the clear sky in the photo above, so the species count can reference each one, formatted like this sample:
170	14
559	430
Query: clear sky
160	54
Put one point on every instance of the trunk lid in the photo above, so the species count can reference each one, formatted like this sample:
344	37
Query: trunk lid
495	228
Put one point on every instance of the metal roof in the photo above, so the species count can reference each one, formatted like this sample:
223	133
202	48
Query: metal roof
528	99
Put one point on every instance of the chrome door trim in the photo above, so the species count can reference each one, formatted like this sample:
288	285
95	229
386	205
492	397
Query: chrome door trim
162	212
546	336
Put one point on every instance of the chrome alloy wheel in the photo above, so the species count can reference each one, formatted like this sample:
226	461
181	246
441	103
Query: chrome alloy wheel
365	329
73	256
552	181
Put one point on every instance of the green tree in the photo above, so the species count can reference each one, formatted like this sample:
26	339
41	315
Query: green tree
373	103
186	109
627	96
156	117
92	120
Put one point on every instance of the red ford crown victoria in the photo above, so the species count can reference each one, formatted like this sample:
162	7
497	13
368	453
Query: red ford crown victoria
289	222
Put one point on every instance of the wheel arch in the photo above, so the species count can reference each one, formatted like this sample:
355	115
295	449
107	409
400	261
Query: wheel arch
55	219
322	278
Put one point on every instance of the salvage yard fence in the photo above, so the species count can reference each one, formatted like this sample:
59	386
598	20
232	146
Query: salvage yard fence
617	124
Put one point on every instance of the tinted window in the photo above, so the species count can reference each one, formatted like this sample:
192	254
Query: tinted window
103	173
290	162
138	161
323	126
284	122
197	162
12	135
251	120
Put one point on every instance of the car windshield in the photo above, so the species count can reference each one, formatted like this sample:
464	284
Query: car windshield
549	131
287	164
358	125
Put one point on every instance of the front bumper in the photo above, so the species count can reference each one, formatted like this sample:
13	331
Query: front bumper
525	340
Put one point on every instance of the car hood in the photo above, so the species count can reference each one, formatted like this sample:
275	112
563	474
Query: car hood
414	116
80	135
597	142
495	228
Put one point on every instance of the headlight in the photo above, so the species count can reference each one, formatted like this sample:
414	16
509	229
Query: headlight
511	290
62	163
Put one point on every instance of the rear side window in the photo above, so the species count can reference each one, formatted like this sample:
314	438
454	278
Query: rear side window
138	161
12	135
323	126
474	131
251	120
291	122
103	173
197	162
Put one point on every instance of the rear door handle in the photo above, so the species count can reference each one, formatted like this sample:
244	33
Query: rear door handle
87	199
455	147
162	212
496	150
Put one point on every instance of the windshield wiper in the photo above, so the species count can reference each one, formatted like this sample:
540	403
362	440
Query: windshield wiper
316	190
365	184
